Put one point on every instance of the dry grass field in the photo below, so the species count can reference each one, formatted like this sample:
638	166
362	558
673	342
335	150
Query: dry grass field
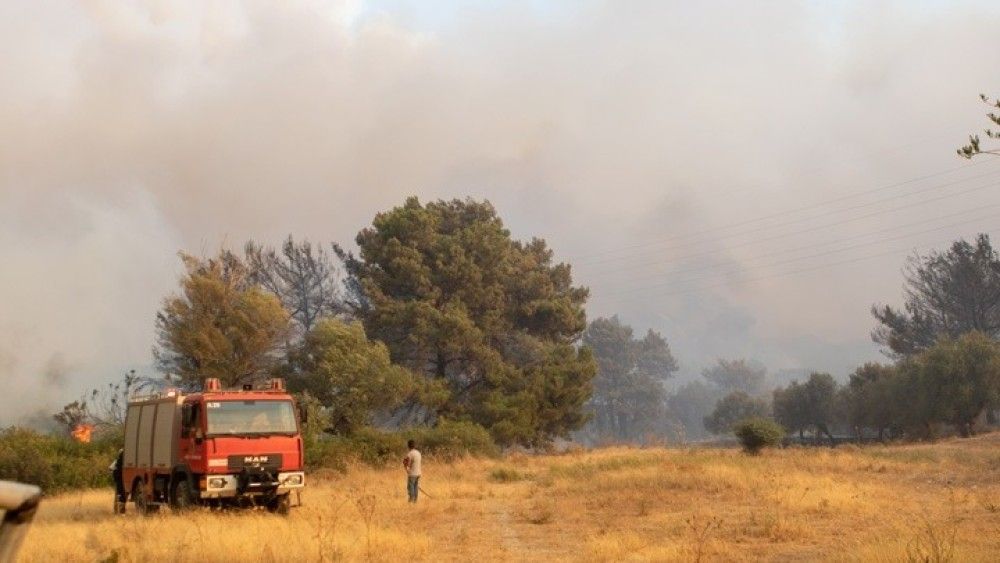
935	502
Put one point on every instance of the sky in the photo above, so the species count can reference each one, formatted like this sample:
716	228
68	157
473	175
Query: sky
746	178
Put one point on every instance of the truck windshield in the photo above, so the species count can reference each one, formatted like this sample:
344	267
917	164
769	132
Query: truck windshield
250	417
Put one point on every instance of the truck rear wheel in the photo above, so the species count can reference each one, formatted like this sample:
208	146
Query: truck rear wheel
280	504
142	505
182	497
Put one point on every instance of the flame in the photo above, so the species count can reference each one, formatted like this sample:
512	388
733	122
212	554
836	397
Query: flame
81	433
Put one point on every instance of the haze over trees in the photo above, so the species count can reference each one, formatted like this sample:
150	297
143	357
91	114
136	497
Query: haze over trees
689	405
737	375
629	400
734	408
302	275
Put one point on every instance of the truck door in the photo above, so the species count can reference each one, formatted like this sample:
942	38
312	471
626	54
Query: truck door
190	444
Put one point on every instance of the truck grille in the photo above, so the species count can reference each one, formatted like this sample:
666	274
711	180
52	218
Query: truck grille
257	461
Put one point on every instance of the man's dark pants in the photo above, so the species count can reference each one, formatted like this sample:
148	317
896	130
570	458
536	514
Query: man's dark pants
412	486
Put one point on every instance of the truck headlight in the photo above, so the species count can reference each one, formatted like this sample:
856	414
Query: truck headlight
294	479
216	483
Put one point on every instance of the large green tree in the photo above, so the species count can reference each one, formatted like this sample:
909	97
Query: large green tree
220	324
871	399
947	294
808	405
629	400
953	382
456	299
350	375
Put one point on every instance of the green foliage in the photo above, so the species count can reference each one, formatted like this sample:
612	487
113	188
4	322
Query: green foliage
350	375
221	325
947	295
457	300
809	405
445	441
758	433
452	439
871	400
56	463
628	398
733	408
953	382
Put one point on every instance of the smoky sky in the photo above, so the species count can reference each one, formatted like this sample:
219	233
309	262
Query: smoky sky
746	178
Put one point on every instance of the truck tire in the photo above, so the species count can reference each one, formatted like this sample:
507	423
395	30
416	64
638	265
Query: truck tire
181	496
142	505
280	504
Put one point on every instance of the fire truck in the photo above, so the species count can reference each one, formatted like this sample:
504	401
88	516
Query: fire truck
217	448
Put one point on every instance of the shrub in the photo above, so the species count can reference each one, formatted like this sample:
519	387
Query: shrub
56	463
758	433
507	475
378	448
450	439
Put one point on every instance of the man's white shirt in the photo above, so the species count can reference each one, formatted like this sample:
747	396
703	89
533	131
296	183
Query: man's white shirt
413	467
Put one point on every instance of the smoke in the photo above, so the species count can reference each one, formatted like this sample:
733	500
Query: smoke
134	130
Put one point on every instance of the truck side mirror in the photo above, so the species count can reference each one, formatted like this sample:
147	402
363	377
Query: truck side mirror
198	436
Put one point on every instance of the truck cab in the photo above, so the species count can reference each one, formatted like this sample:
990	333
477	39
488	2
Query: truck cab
217	447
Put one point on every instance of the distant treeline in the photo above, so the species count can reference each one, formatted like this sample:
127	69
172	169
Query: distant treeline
945	377
443	318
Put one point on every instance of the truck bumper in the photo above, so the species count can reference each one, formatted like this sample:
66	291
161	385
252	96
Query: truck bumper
227	486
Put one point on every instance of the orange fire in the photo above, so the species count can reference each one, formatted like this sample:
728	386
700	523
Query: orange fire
81	433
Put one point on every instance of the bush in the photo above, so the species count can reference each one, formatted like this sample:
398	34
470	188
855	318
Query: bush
378	448
758	433
56	463
507	475
449	440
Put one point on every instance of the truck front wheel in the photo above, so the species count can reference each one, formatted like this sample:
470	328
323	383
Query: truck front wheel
182	497
280	504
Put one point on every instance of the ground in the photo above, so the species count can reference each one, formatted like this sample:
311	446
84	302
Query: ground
929	502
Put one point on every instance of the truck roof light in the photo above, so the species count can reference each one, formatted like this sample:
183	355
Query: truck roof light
213	384
277	384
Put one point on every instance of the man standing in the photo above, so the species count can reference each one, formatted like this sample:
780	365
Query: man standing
412	465
116	468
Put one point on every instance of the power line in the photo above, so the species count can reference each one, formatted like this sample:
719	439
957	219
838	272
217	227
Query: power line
807	257
793	272
794	210
805	175
814	227
859	236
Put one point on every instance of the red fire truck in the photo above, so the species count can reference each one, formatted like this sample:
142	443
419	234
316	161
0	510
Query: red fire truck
217	448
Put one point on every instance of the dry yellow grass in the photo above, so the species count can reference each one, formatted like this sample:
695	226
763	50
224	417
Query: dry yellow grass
919	502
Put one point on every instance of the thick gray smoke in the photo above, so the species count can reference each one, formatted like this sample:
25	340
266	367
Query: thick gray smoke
129	131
